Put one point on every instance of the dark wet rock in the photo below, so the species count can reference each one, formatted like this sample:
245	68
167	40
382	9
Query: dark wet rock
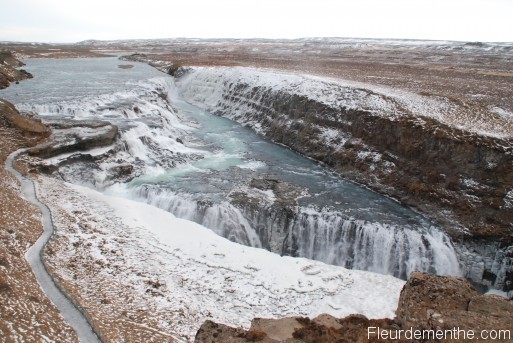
177	71
488	263
79	169
122	170
270	206
137	57
286	193
125	66
75	135
264	184
174	69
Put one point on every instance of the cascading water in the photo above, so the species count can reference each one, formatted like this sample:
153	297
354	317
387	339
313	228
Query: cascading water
382	248
326	236
222	218
200	167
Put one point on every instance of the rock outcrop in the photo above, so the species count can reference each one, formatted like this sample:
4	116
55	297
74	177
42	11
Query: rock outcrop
439	302
75	135
8	69
428	304
26	124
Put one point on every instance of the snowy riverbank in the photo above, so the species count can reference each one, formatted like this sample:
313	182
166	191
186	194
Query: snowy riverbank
123	259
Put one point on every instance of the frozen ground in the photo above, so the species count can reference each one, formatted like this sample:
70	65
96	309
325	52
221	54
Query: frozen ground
471	81
126	260
206	87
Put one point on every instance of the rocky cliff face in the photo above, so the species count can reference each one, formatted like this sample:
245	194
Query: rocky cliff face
409	147
427	303
8	69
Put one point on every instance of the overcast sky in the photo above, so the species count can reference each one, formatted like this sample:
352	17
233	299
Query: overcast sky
76	20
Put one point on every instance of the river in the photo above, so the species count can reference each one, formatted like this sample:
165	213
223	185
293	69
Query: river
199	166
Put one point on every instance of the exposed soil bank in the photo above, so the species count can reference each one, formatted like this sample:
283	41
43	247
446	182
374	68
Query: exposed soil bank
8	69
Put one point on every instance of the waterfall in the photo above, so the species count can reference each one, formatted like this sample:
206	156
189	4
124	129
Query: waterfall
330	237
381	248
155	157
222	218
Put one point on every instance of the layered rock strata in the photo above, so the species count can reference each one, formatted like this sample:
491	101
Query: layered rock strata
440	156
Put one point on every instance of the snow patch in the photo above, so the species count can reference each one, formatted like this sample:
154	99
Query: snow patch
508	200
205	275
502	112
238	93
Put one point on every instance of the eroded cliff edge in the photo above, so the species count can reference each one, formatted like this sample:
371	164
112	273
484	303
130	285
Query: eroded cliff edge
9	71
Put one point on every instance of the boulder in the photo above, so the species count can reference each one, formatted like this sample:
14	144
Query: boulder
425	296
24	123
431	302
211	332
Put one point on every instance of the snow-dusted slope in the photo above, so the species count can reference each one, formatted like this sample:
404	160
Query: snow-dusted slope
142	258
212	88
420	148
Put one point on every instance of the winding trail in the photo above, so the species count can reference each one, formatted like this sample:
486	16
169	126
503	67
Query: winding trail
69	311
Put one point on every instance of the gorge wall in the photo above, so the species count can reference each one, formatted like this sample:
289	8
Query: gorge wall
407	146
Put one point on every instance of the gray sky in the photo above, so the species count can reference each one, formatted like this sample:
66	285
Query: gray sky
75	20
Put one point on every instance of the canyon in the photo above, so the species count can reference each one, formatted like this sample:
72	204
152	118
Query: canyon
439	154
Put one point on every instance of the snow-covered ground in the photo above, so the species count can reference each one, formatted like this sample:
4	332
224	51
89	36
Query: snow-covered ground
125	257
244	89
